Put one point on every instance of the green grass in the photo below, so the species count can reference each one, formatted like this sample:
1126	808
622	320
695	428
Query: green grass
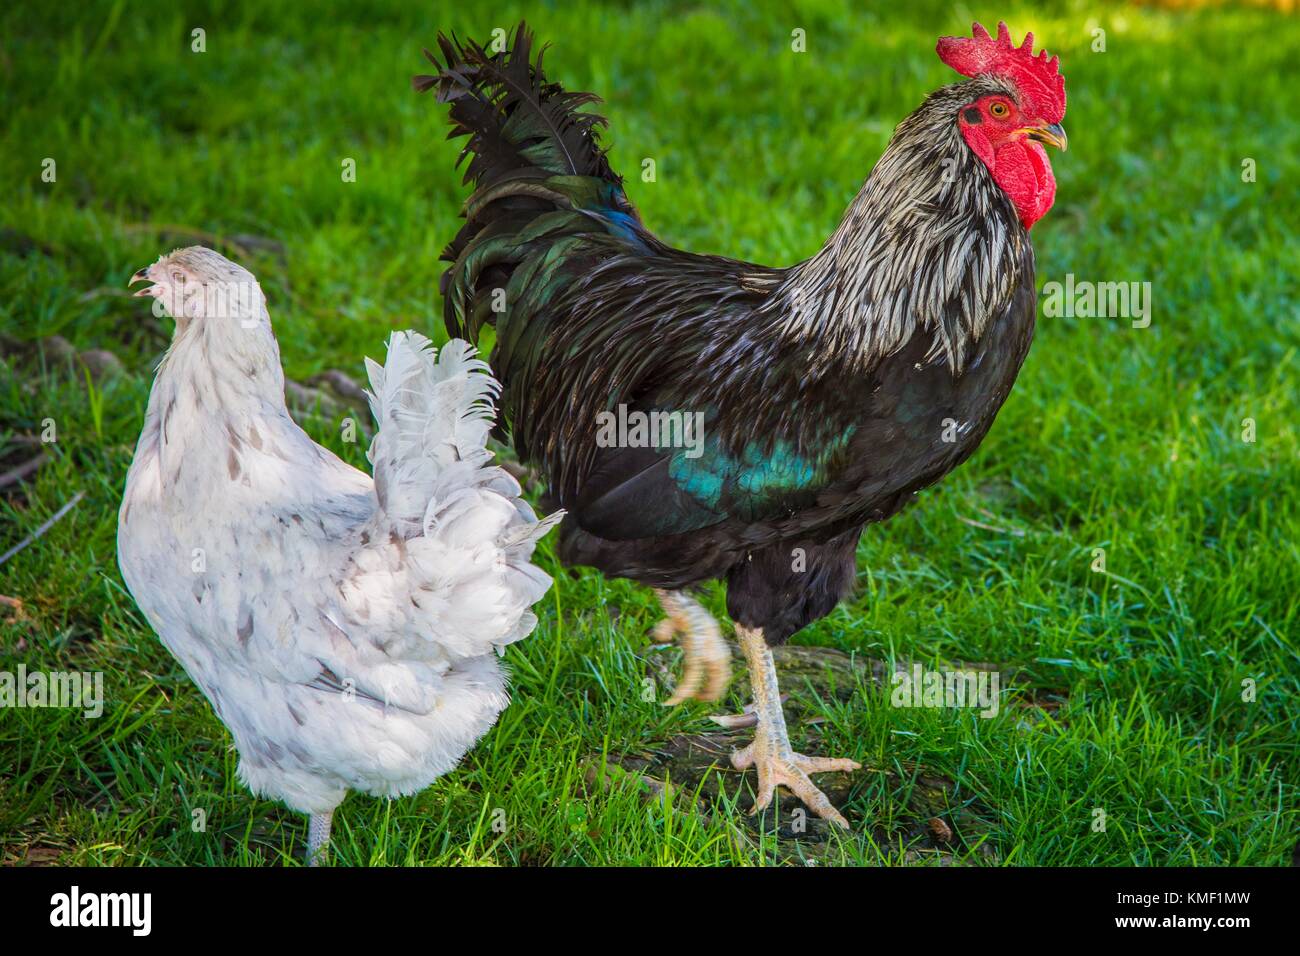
1117	438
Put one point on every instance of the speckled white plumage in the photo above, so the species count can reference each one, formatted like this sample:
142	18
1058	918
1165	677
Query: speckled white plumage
344	629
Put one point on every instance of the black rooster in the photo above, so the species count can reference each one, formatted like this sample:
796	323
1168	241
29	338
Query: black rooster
829	392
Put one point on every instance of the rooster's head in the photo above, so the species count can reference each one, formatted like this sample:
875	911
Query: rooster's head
1006	126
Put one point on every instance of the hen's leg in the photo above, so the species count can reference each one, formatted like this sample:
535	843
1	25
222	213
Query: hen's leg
770	752
318	836
708	662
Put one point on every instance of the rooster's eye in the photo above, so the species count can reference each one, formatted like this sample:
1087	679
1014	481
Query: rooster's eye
999	110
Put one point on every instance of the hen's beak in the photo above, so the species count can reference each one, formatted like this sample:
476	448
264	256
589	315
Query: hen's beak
142	276
1052	135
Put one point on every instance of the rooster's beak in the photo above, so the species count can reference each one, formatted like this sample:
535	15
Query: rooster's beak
1052	135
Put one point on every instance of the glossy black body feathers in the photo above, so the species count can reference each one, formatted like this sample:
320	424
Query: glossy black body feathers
829	392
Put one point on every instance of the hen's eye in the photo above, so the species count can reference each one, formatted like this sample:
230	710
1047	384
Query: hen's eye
178	277
999	110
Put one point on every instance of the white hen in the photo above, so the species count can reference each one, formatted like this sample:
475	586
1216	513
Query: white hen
345	630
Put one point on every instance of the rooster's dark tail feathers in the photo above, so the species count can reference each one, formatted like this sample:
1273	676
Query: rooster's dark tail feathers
517	122
541	179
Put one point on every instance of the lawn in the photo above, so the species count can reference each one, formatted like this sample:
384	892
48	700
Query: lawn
1123	548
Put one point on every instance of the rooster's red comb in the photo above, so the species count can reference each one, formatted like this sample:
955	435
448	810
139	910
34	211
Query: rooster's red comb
1037	78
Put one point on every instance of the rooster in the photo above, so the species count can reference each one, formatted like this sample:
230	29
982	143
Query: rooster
830	391
346	630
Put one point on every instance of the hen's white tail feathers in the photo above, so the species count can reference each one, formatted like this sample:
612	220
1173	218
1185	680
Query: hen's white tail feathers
526	535
466	531
432	410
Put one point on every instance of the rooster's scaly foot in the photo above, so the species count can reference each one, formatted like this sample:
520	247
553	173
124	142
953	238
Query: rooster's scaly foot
790	770
707	668
778	765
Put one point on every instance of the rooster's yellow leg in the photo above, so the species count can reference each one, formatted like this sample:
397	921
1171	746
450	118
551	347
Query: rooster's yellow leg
708	662
770	753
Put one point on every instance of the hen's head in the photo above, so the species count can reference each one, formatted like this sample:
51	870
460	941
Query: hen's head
1006	122
199	284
